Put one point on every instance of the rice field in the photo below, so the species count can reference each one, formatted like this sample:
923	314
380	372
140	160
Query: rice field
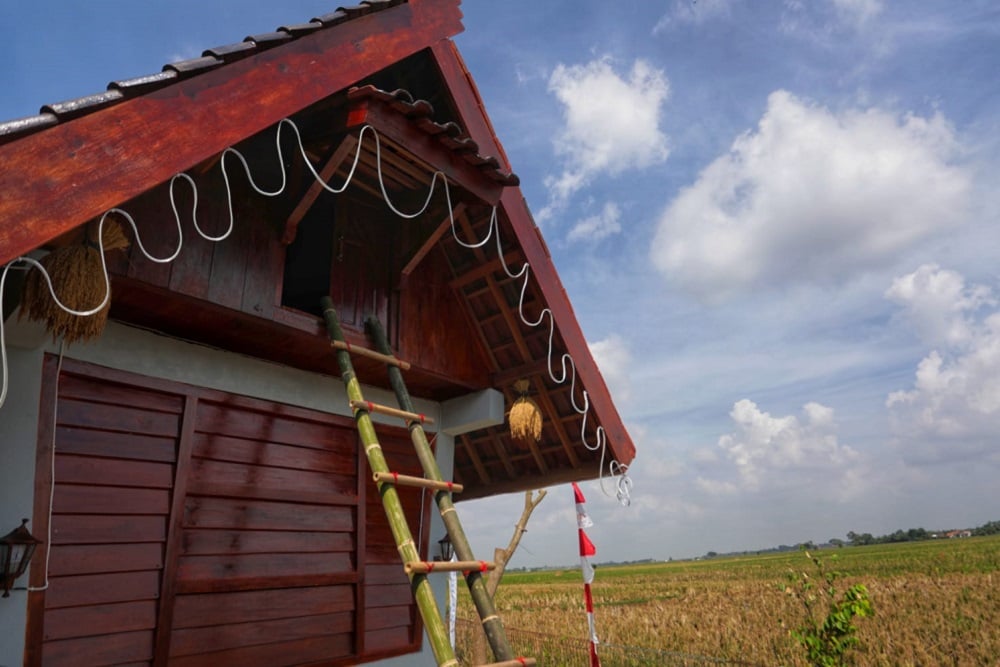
936	603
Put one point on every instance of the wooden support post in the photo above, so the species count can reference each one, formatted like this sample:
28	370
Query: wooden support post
493	626
437	633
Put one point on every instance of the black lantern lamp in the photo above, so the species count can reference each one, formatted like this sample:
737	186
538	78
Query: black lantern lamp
445	548
16	549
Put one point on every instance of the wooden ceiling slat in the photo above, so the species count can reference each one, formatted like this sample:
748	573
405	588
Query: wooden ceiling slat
487	269
542	395
502	456
477	462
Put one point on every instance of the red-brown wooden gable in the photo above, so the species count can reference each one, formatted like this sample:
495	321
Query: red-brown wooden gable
83	167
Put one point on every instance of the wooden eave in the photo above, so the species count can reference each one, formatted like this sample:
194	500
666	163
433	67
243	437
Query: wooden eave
122	145
545	290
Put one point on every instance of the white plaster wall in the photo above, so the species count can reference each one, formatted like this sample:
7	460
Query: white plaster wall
18	436
148	353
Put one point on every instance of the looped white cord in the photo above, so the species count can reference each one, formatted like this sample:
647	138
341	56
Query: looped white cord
567	364
624	483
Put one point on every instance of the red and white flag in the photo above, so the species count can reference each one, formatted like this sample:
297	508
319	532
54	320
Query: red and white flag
587	549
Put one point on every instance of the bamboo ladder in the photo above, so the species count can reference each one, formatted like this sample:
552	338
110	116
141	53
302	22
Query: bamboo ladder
386	480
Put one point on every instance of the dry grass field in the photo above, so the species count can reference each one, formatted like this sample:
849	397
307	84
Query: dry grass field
936	603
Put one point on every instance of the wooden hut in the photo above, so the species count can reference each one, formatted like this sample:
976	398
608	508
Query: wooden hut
195	472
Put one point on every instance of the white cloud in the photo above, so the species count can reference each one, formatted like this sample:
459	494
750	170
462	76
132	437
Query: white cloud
597	227
953	410
614	360
938	302
766	452
612	123
857	12
812	195
686	12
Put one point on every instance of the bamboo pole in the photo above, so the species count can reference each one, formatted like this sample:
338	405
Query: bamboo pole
391	412
409	480
448	566
492	625
437	633
371	354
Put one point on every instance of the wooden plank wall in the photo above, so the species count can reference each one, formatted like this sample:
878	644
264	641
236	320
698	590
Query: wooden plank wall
115	455
193	527
270	515
390	616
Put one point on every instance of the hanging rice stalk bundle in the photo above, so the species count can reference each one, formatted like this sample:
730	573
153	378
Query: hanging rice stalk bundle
525	417
78	280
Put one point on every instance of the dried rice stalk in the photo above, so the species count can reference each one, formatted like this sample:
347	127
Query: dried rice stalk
525	417
77	278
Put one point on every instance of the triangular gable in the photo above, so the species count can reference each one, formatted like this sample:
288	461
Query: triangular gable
94	155
140	137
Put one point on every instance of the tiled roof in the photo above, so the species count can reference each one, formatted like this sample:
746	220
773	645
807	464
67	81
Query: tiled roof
118	91
450	135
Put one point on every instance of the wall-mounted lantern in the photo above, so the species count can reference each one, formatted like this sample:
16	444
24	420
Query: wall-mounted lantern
16	549
445	548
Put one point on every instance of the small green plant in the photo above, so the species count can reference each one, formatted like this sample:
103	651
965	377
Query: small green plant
827	638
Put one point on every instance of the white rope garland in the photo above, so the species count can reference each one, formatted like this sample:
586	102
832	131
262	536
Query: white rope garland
623	483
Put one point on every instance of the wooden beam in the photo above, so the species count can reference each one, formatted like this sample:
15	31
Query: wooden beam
398	129
175	533
527	482
542	394
525	371
330	167
487	268
431	241
477	463
59	178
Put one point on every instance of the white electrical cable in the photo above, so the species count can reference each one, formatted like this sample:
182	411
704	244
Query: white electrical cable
568	366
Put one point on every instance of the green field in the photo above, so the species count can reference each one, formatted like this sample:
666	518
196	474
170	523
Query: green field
936	602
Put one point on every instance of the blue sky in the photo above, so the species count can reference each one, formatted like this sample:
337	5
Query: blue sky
777	222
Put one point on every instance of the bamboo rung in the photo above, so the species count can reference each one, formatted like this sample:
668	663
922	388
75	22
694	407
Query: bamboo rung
422	482
371	354
516	662
392	412
423	567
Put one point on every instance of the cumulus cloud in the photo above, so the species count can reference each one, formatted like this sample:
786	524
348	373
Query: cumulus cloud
766	452
812	195
953	409
611	123
597	227
614	359
939	304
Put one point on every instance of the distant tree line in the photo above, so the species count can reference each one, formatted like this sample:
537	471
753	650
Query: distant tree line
911	535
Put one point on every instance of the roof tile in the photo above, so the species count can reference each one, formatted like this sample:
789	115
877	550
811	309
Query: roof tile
141	85
269	39
232	52
82	105
14	129
186	68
